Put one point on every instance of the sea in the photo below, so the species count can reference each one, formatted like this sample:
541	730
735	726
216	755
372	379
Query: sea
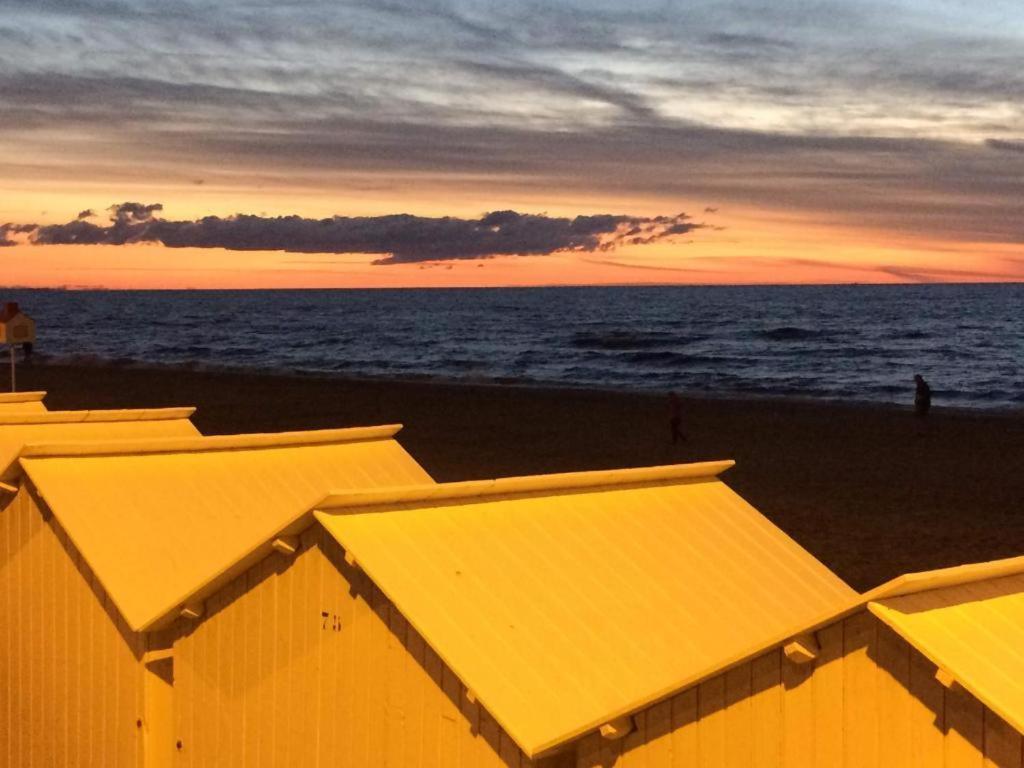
853	343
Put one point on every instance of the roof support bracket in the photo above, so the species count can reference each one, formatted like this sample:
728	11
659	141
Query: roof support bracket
617	728
157	654
945	677
8	488
802	649
286	545
192	610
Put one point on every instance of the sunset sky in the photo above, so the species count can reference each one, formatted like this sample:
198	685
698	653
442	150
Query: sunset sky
526	143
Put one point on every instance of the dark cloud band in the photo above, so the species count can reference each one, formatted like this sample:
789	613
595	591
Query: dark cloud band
399	238
6	230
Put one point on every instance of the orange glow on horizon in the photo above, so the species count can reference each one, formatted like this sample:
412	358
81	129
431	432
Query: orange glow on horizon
741	246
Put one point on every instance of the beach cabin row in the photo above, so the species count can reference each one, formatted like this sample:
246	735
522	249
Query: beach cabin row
313	598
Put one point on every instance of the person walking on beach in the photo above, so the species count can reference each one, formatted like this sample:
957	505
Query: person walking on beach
675	418
922	396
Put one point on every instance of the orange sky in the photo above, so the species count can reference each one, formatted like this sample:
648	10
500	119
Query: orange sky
742	247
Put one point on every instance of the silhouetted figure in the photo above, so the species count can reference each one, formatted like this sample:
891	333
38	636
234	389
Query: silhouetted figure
26	352
675	418
922	396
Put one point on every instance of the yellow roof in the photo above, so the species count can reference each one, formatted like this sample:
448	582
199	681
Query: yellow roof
22	402
166	522
20	429
566	601
972	630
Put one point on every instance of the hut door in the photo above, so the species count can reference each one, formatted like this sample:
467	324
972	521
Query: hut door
158	722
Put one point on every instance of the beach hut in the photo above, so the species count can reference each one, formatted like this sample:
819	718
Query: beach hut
22	402
106	547
18	429
473	624
925	671
15	326
629	648
37	597
632	618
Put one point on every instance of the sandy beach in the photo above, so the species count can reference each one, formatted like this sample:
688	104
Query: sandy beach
871	491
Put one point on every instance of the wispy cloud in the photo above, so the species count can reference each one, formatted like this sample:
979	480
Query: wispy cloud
902	116
1005	146
942	70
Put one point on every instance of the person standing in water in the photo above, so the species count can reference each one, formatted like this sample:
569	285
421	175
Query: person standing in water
675	418
922	396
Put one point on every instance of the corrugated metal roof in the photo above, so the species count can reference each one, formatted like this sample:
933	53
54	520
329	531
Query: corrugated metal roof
22	402
165	522
20	429
564	603
975	632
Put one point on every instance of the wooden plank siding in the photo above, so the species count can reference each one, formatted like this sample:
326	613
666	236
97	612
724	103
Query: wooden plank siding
868	701
71	678
303	661
358	686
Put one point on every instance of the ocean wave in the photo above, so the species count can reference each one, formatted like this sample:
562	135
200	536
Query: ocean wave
461	364
855	352
997	395
669	359
792	333
87	360
182	349
622	340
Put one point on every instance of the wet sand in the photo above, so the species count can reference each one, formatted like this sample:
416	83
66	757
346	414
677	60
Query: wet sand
871	491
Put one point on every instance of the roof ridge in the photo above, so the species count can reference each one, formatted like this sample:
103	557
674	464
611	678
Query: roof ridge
205	444
904	584
526	484
940	578
93	416
21	397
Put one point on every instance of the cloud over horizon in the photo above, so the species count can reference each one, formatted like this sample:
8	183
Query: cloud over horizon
399	238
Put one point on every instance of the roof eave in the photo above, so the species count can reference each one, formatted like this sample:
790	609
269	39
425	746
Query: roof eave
923	581
881	612
906	584
21	397
166	615
342	501
97	416
208	443
554	745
